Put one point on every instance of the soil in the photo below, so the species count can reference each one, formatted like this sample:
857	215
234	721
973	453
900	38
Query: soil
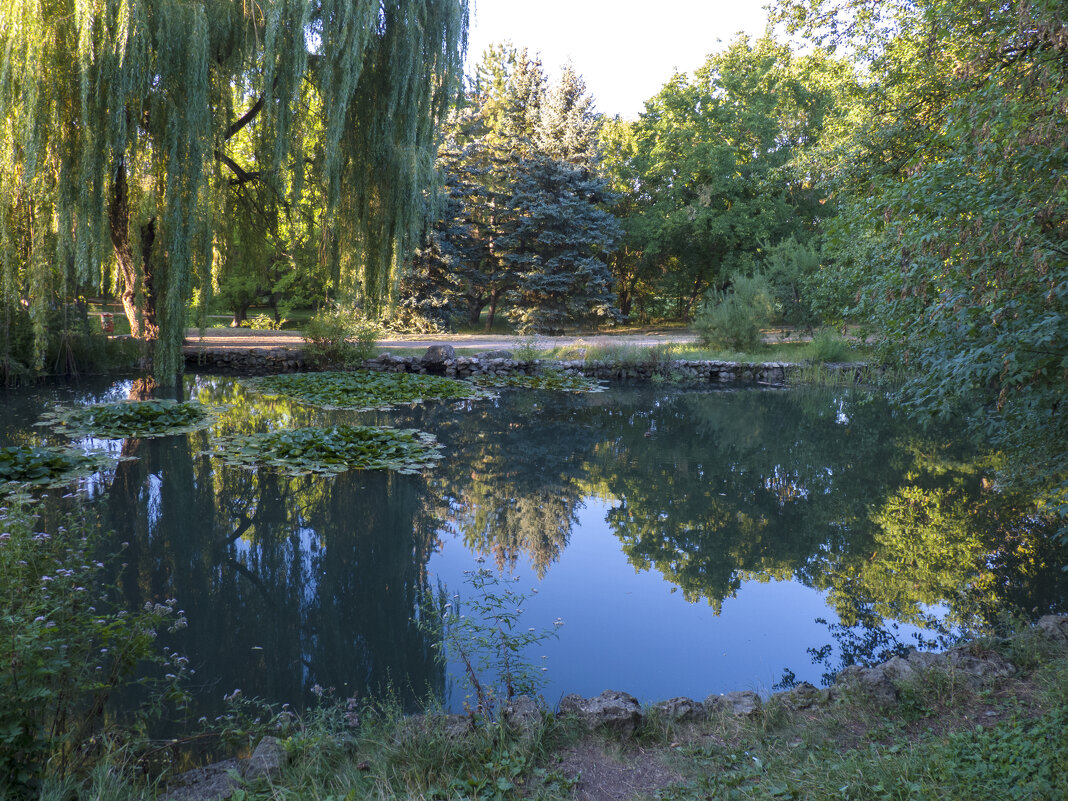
603	775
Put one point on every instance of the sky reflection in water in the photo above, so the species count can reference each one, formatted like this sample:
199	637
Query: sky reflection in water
689	540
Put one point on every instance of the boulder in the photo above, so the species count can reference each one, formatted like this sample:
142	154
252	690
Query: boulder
744	703
612	709
802	696
1053	626
438	355
215	782
266	760
523	714
680	710
979	670
872	681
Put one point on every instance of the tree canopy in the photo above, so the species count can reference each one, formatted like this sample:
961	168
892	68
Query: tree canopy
952	236
119	118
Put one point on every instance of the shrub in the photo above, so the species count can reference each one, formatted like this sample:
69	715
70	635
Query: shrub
64	648
734	319
264	322
341	337
829	346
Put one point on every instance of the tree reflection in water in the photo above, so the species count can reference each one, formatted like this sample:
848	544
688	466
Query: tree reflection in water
290	582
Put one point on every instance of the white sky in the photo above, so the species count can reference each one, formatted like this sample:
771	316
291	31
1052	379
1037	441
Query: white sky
625	50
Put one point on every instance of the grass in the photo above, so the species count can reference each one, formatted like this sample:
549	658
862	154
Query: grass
945	739
796	352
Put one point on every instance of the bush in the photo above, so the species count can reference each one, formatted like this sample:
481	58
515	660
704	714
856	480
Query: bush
64	649
340	337
789	266
829	346
734	319
264	322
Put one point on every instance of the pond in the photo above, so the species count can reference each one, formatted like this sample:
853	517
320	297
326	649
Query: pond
691	541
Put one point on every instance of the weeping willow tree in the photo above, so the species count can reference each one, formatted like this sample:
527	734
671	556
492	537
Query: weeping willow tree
119	120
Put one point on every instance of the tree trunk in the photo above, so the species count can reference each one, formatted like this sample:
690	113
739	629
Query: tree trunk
142	316
475	304
492	308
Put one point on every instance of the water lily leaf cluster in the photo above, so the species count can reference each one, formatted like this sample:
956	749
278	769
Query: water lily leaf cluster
363	390
151	418
23	464
556	380
332	450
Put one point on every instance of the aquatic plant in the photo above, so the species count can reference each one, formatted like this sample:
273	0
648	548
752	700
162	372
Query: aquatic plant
362	390
328	451
24	464
547	379
151	418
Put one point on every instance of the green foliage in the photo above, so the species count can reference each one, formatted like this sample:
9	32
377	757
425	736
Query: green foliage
340	337
790	266
952	240
735	319
483	631
153	418
264	322
829	346
522	216
329	451
362	390
173	112
27	465
556	380
65	649
556	248
716	166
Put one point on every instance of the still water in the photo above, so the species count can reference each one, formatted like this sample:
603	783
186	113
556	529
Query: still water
691	541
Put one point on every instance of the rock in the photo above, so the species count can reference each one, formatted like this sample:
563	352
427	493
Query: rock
523	714
438	355
612	709
679	710
453	726
744	703
487	355
872	681
1053	626
925	660
979	669
802	696
214	782
266	760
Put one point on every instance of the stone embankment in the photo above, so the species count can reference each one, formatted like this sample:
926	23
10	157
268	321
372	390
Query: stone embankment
442	360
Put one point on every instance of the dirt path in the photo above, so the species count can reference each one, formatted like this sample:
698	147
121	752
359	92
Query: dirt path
247	339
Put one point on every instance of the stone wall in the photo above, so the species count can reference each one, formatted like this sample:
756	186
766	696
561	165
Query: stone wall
283	360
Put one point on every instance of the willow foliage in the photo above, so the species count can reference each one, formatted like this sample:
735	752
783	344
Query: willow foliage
117	116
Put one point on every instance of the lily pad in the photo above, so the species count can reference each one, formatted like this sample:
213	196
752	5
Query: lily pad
153	418
328	451
546	379
39	466
363	390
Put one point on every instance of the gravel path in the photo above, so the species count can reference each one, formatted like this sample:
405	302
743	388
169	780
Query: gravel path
247	339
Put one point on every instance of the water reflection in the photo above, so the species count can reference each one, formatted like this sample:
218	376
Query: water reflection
291	582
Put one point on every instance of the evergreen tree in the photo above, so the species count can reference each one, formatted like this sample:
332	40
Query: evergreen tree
556	247
521	165
567	126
